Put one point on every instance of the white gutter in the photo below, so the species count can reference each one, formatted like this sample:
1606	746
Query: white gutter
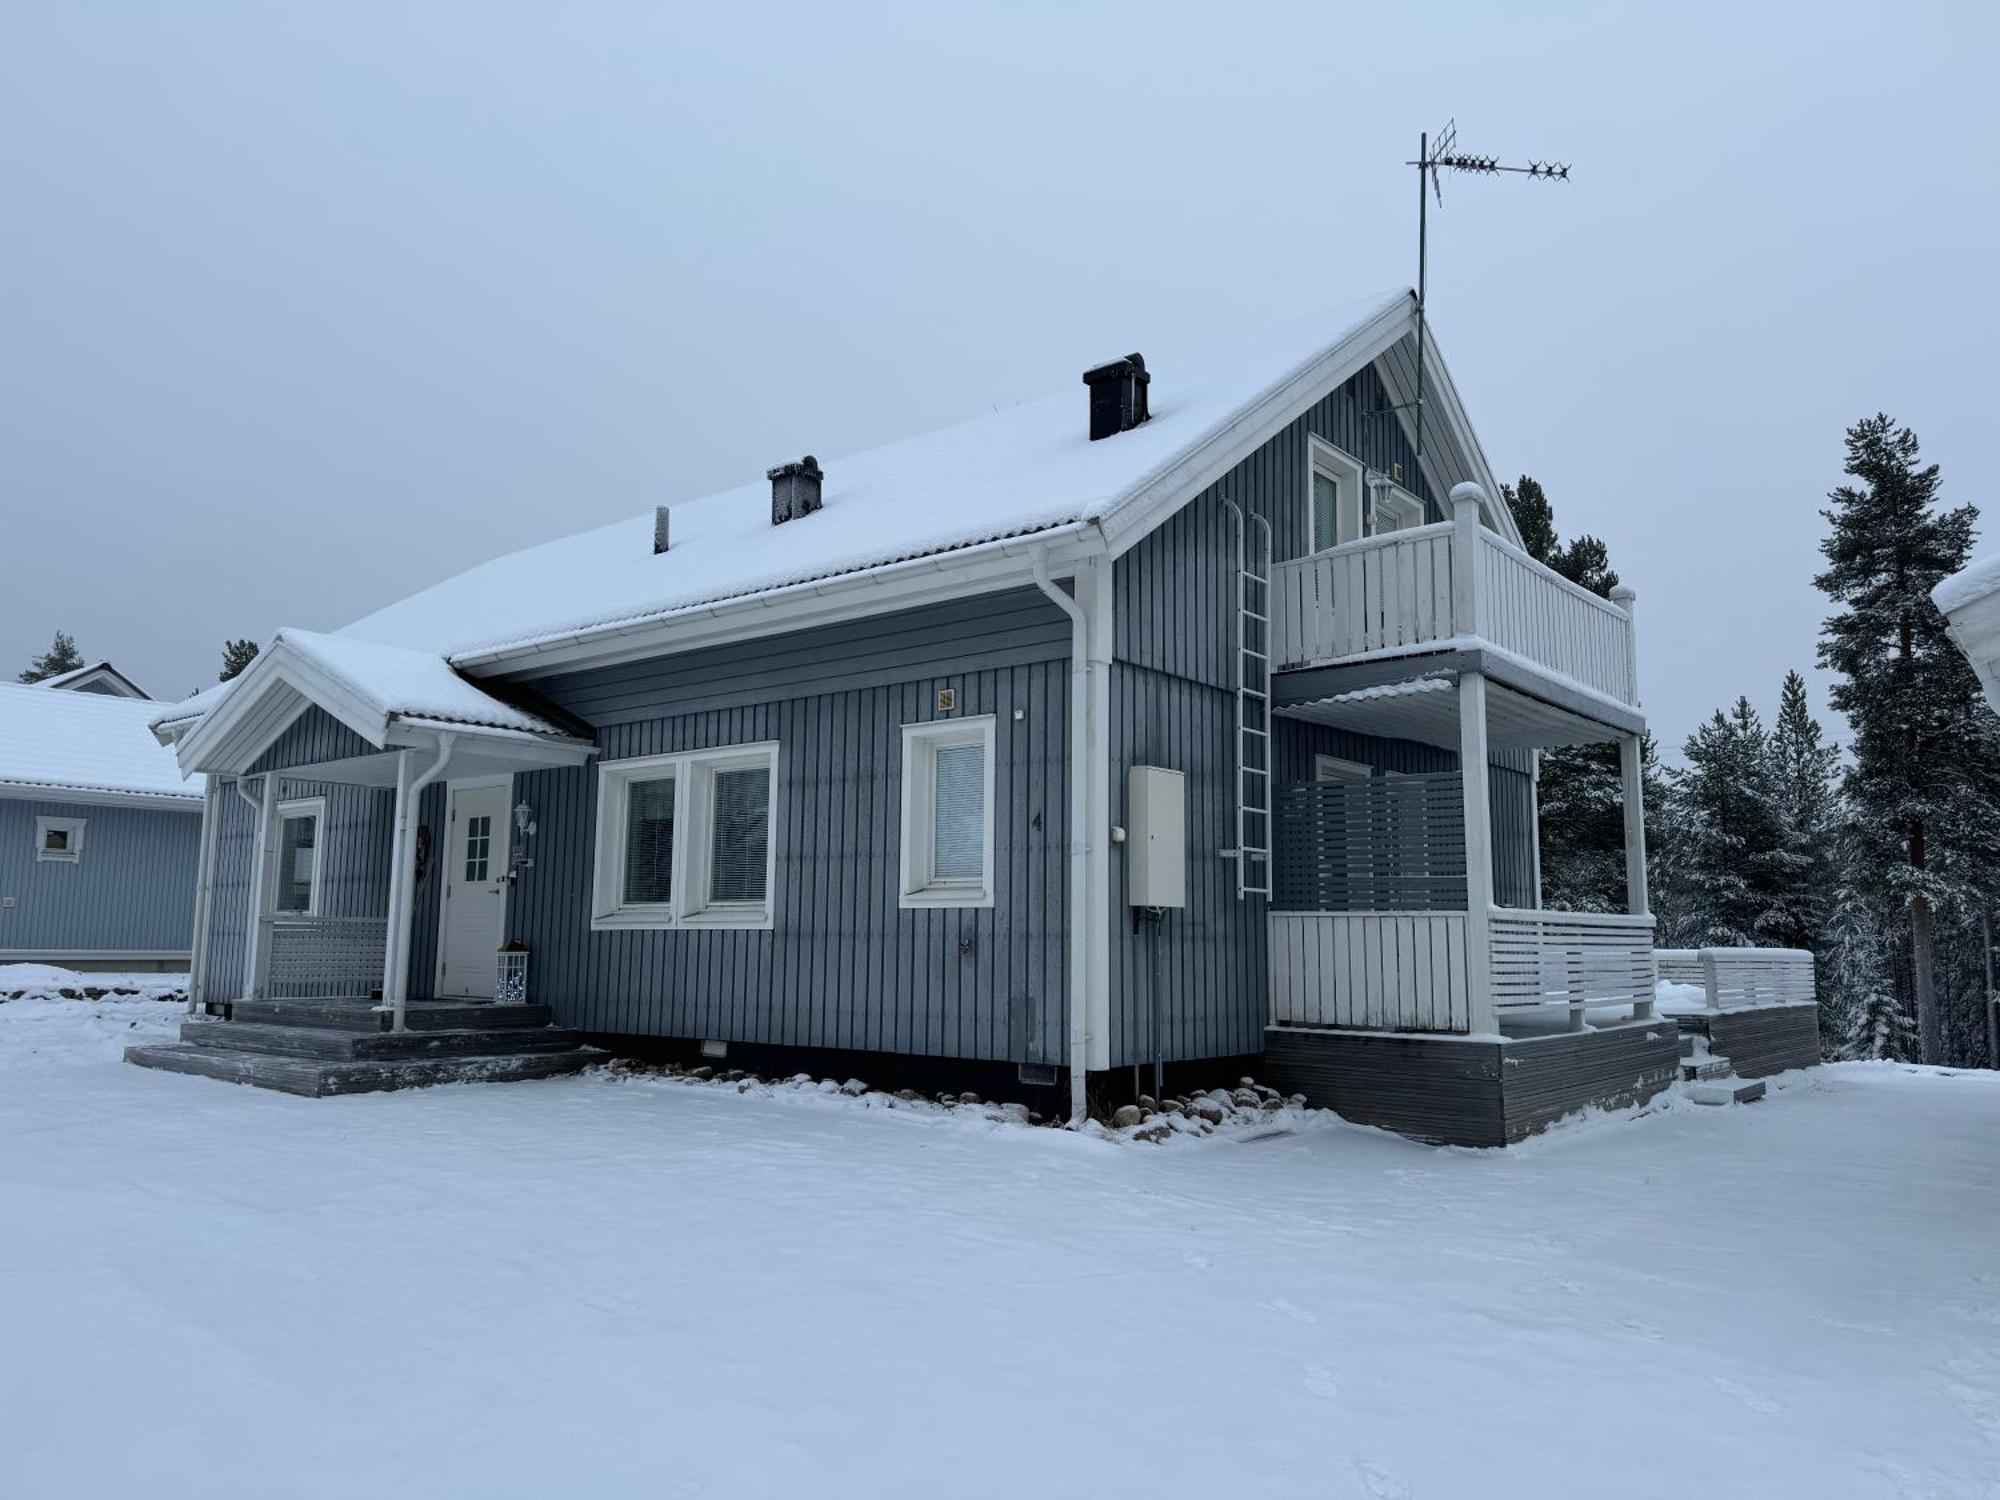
403	879
204	895
1079	840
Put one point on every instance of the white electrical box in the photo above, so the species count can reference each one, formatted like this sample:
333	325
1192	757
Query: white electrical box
1155	836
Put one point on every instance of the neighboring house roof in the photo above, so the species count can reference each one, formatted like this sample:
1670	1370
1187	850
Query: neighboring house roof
1970	604
85	747
1030	471
98	677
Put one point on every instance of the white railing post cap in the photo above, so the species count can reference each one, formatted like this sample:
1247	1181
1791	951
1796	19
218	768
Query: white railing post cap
1467	492
1623	593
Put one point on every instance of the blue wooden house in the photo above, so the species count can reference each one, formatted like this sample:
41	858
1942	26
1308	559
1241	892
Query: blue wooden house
1190	716
99	830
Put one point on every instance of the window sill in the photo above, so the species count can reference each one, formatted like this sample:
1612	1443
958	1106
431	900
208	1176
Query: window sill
946	895
750	919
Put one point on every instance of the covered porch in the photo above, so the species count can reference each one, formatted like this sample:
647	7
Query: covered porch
1386	909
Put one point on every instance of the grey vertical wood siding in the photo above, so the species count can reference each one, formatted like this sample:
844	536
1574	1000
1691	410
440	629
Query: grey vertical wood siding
844	965
132	891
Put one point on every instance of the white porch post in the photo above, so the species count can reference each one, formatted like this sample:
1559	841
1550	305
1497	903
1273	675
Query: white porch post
1478	850
399	872
1631	771
1535	820
256	936
1465	543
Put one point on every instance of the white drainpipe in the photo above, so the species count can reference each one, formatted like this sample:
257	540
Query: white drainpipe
1079	837
405	887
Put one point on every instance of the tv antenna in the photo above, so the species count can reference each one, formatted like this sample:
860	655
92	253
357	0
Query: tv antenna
1437	155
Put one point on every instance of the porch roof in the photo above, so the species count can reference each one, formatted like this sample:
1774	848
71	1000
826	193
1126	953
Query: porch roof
391	697
1425	709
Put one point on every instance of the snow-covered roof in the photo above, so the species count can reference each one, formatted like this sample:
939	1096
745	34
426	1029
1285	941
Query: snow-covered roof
95	744
400	683
1981	579
97	672
1016	473
1970	603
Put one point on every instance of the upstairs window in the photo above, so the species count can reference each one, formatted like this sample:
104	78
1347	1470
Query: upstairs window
1336	500
59	839
1392	508
948	813
295	886
685	840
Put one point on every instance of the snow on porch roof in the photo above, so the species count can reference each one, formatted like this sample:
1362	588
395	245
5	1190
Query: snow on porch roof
93	743
1017	473
399	683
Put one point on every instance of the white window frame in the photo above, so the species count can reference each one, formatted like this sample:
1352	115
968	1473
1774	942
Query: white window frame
1349	472
74	827
694	773
297	807
1389	500
1334	768
921	743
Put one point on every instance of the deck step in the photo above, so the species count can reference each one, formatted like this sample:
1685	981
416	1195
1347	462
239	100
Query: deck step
364	1015
316	1078
1694	1069
339	1044
1727	1091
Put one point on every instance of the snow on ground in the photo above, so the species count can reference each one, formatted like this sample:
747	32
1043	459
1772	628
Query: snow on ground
603	1286
49	982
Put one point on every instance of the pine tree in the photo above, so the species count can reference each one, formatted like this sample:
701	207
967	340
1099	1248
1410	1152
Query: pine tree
1580	793
1804	778
236	655
1859	1015
62	656
1925	785
1729	833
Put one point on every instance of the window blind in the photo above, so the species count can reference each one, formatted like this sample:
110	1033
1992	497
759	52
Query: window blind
958	820
296	839
649	841
1326	511
741	834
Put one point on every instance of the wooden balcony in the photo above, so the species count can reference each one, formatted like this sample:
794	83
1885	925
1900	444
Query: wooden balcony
1448	585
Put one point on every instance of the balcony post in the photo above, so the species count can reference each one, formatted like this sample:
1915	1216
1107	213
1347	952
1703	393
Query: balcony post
1627	598
1478	851
1466	500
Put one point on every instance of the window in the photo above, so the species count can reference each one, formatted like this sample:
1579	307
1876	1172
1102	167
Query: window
1392	508
717	872
1336	496
478	847
1333	768
948	813
59	839
295	874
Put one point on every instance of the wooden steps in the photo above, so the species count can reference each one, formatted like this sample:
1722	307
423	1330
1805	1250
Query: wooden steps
1727	1091
316	1048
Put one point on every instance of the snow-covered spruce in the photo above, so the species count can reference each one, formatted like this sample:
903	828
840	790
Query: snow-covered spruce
1249	1107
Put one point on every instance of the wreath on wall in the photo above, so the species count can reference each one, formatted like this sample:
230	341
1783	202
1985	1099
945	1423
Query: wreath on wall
423	851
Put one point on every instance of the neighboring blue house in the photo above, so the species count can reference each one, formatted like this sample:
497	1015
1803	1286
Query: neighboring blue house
1191	716
99	830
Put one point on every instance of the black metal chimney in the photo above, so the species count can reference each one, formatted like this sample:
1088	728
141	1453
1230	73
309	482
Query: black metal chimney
794	489
1117	396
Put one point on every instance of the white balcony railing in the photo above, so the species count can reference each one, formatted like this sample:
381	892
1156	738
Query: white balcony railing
1451	581
1410	971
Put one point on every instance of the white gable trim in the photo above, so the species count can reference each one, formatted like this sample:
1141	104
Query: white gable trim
267	699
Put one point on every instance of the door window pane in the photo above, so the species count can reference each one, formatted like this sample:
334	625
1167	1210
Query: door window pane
958	824
1326	511
741	834
298	840
478	847
649	841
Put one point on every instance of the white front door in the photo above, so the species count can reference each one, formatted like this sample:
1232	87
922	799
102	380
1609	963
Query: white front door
475	891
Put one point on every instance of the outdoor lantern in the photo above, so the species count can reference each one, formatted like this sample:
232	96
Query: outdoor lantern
511	986
524	818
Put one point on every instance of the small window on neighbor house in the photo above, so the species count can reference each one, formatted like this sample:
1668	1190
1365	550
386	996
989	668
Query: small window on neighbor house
1335	497
948	813
686	839
59	839
295	887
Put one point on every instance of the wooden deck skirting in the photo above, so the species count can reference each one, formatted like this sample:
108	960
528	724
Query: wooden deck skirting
1467	1091
1764	1039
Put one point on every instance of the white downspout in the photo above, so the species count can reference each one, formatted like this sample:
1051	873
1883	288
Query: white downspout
253	935
399	919
1079	837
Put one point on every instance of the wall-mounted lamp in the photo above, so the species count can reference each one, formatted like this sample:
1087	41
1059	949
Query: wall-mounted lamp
524	829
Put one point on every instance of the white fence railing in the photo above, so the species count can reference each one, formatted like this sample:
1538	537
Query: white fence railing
1408	970
1447	581
1573	960
309	958
1405	971
1742	978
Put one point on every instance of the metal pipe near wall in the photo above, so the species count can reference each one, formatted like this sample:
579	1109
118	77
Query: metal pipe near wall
1079	892
399	919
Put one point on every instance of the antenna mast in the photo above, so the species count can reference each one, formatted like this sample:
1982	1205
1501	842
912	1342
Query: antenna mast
1436	156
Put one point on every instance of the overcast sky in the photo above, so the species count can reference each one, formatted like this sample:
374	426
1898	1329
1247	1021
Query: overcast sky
304	308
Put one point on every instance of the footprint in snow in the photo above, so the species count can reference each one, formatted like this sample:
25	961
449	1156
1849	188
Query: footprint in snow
1757	1401
1319	1380
1380	1482
1291	1310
